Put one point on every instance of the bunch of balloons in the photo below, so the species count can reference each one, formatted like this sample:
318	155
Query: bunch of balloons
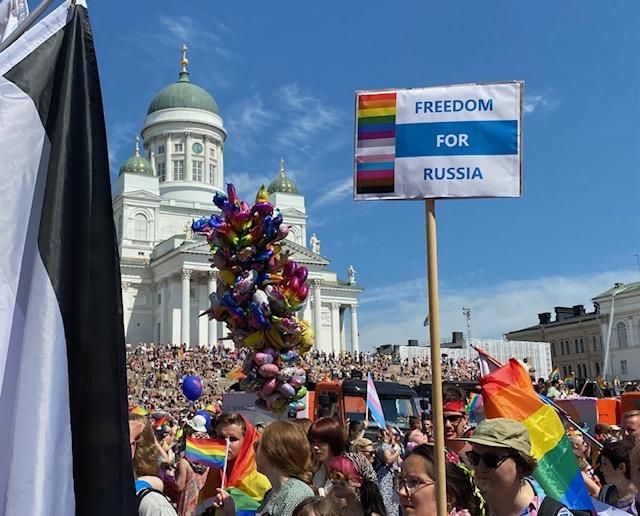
258	294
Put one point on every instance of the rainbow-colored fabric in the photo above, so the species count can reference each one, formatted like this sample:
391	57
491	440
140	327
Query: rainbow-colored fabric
236	374
139	410
210	452
244	483
508	393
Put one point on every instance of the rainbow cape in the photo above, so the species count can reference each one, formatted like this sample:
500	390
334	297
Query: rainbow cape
210	452
508	393
244	483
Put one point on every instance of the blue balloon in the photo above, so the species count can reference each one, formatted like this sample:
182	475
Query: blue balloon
192	387
207	416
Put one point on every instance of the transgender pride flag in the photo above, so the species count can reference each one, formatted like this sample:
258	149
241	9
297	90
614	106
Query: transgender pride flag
373	403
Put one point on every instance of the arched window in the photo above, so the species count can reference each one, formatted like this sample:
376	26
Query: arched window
621	332
140	227
553	349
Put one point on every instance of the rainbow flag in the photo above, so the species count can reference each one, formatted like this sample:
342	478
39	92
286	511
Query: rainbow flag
475	408
570	381
508	393
375	143
373	403
210	452
236	374
555	374
139	410
244	483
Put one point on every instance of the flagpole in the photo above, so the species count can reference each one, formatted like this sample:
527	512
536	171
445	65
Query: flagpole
26	24
224	468
436	370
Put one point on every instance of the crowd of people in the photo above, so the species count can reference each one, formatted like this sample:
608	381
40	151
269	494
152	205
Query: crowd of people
303	467
155	370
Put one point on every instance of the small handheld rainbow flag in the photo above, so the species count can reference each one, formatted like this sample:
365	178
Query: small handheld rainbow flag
210	452
139	410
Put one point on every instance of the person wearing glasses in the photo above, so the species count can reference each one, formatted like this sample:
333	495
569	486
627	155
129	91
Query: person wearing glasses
416	486
356	485
365	447
501	460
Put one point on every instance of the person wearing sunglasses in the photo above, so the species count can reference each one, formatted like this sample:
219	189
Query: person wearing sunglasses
365	447
503	466
416	486
356	485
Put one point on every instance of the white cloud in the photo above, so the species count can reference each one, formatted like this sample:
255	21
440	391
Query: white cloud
121	140
247	184
335	192
246	120
306	117
394	313
181	28
543	103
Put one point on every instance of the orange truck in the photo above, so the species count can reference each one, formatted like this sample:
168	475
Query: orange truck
346	400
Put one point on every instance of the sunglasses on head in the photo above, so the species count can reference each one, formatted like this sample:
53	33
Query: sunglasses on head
491	460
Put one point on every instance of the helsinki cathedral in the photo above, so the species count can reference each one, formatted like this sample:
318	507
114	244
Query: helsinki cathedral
166	274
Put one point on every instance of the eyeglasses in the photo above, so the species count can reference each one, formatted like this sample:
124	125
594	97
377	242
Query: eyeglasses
368	453
454	419
410	485
491	460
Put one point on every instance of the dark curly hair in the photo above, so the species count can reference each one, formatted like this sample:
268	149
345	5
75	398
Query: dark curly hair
460	487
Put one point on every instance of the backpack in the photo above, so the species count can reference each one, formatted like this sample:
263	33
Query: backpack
551	507
144	492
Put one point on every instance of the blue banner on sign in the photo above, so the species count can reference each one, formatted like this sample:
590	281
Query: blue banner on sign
482	138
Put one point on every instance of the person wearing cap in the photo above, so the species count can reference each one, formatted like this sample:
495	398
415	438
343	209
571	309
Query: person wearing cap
501	459
191	476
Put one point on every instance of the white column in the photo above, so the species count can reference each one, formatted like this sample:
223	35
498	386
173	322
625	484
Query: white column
343	340
213	324
317	312
220	165
335	328
203	323
167	157
187	157
184	314
354	329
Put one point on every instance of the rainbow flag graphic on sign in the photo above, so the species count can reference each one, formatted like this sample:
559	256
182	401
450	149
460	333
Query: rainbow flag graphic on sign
507	392
375	144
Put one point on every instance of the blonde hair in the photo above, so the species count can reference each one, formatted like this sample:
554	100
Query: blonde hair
146	458
287	449
358	445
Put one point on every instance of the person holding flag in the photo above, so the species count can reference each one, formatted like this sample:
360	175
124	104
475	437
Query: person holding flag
503	466
191	474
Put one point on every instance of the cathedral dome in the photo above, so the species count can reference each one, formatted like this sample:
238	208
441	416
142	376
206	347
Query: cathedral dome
282	183
136	164
183	94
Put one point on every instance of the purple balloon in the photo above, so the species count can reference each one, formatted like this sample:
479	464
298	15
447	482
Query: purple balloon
192	387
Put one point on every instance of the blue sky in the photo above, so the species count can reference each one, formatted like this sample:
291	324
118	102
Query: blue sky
284	75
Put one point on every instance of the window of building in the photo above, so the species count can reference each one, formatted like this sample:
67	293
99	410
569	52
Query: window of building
178	170
581	345
162	171
160	149
553	349
140	227
597	366
177	147
623	367
621	331
212	173
564	371
577	344
160	298
212	152
196	170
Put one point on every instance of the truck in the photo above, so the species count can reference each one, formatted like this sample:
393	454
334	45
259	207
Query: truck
345	400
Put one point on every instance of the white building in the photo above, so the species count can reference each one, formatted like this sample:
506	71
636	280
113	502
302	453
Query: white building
620	328
536	355
166	273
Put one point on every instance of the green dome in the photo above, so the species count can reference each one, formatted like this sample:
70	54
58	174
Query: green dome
183	94
136	164
282	183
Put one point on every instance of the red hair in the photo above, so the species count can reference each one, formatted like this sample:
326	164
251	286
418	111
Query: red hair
328	430
343	465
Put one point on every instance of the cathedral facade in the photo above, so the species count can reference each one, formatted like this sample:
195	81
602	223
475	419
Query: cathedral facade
166	273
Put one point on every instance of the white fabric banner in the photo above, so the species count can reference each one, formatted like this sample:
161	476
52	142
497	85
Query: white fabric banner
12	14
